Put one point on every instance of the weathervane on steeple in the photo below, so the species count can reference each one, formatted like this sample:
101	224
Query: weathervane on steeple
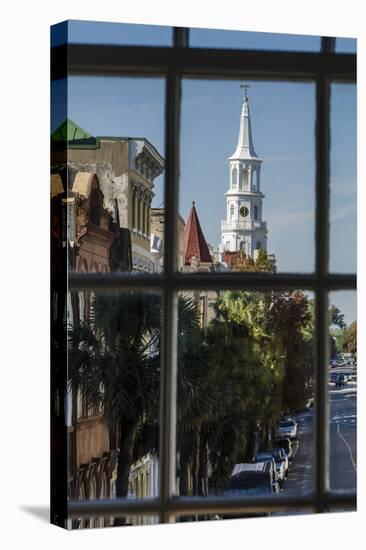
245	86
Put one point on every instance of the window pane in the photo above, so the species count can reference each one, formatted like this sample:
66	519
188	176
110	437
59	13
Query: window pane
245	393
343	391
346	45
247	176
218	38
113	397
343	184
101	32
113	172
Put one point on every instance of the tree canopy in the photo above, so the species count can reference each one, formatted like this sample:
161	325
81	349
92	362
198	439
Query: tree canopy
237	376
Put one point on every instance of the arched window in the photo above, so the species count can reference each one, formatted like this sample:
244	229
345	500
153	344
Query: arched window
95	202
81	306
116	212
259	245
245	181
255	212
255	179
133	210
95	267
234	179
138	221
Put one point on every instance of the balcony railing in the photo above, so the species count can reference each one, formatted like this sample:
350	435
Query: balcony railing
249	225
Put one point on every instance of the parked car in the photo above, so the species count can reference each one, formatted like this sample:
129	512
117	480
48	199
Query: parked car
348	358
276	456
281	458
287	428
310	404
251	479
266	456
284	443
340	381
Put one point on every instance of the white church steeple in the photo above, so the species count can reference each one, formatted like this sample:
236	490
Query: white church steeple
244	228
245	147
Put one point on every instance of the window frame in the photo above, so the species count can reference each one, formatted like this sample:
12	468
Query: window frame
175	63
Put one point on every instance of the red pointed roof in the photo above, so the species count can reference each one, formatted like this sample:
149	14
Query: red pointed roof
194	241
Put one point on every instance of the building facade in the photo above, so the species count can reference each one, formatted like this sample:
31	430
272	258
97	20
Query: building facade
85	234
126	168
101	193
244	228
157	239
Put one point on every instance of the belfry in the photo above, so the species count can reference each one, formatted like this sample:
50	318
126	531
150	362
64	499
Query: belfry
244	228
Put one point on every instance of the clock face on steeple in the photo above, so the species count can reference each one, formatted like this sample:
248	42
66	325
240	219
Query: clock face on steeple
244	211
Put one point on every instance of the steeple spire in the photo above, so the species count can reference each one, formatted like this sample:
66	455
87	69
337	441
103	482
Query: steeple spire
194	241
245	147
245	87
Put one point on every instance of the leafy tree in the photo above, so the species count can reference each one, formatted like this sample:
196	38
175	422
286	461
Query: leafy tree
262	263
276	324
351	338
339	335
332	346
337	328
249	314
290	315
241	262
336	318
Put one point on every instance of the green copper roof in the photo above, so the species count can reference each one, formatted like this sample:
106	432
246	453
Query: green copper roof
69	131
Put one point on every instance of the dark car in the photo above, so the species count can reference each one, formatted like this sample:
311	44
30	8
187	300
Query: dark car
267	456
340	381
287	428
251	479
284	443
281	457
279	460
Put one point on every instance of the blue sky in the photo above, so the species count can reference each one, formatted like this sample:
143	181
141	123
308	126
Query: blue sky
283	132
96	32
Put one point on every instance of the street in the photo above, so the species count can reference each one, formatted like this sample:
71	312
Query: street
343	436
343	432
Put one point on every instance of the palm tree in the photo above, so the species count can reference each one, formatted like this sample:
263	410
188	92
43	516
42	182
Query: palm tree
222	389
114	362
193	391
242	391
